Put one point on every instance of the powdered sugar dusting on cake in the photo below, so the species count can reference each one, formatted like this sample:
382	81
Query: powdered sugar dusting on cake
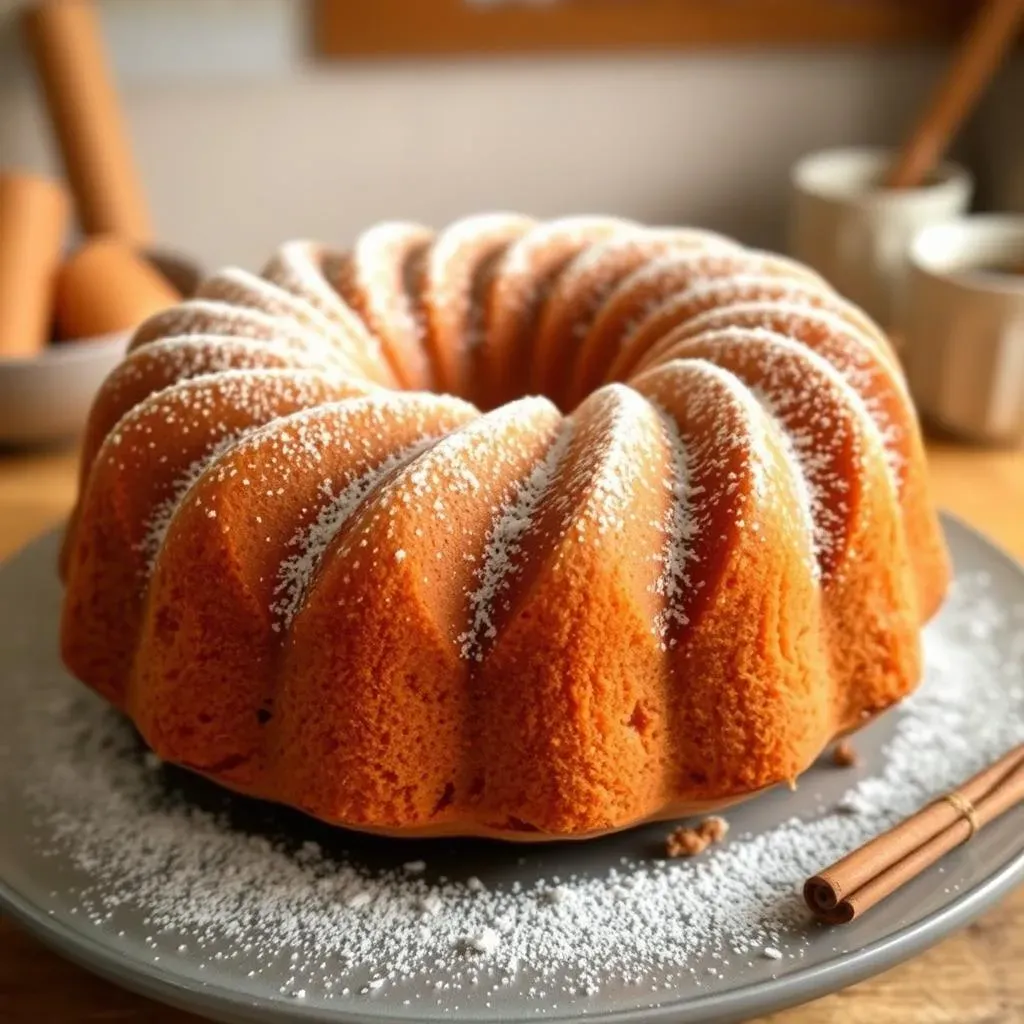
453	265
344	329
815	413
298	268
798	387
819	425
195	409
842	345
504	545
298	569
384	269
573	232
855	358
694	238
605	262
191	355
619	465
808	496
681	527
593	275
720	476
724	296
647	290
722	293
287	915
750	437
468	470
599	267
680	313
160	520
210	318
467	232
247	292
524	273
471	235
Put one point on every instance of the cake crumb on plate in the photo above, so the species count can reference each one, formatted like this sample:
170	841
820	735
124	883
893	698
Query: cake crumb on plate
844	755
688	842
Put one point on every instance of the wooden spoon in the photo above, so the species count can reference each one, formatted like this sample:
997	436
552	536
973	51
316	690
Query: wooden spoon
65	40
974	64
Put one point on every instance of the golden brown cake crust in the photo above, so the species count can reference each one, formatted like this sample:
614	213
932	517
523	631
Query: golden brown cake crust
310	569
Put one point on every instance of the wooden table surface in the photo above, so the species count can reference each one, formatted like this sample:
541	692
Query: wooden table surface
974	977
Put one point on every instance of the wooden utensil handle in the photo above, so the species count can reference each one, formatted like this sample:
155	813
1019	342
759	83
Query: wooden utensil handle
65	41
33	222
972	67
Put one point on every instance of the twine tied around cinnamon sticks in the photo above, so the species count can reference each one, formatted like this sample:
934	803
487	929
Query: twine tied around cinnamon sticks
863	878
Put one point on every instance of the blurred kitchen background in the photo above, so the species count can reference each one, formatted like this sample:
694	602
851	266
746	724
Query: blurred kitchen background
245	134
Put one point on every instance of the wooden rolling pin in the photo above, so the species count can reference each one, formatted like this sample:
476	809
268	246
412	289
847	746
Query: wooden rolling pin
105	287
65	41
33	222
973	66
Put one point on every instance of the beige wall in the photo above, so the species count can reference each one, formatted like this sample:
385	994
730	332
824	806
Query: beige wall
235	163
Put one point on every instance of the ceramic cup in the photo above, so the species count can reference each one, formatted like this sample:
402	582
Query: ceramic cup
964	327
857	234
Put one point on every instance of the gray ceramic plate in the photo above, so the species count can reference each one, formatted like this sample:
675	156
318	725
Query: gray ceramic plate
40	890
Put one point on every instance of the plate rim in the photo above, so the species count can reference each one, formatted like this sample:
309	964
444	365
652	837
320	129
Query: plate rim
100	955
767	996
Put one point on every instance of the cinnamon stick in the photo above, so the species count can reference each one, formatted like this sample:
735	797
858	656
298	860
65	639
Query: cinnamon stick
865	877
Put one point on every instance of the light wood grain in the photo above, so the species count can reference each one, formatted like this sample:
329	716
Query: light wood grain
974	977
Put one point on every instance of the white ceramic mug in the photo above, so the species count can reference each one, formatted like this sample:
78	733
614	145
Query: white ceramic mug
857	234
964	327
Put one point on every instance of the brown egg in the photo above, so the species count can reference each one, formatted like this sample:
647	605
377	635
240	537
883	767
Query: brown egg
106	286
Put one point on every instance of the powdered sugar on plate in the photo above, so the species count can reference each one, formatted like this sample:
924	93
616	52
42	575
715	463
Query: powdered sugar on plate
287	908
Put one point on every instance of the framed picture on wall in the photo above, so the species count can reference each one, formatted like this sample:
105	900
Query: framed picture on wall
390	28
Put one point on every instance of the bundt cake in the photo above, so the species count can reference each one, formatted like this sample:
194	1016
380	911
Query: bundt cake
519	529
